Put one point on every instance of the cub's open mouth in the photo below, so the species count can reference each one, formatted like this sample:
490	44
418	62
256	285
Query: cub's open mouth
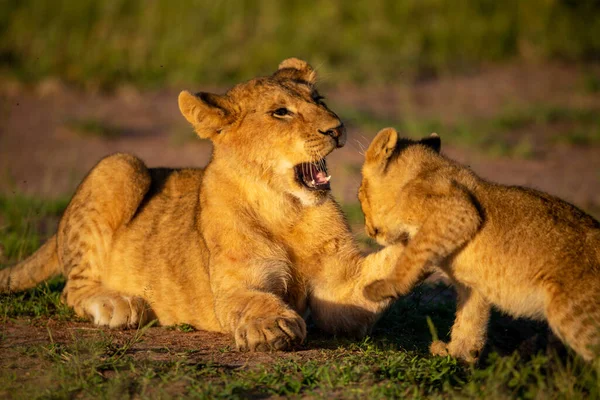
313	175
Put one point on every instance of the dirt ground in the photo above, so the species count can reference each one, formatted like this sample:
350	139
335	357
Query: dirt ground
26	343
156	343
44	151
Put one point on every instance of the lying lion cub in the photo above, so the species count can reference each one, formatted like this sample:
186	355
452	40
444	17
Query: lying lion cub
526	252
244	246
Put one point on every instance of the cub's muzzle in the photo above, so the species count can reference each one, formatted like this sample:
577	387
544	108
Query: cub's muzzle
338	134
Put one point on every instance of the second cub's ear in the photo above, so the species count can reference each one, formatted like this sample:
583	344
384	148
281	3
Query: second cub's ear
208	113
433	141
383	146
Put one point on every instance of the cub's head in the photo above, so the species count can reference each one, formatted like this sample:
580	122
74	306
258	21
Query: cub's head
390	163
275	130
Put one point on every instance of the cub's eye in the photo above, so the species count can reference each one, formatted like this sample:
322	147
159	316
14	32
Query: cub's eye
281	112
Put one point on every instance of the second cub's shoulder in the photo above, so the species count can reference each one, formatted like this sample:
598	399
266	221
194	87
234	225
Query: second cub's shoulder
438	175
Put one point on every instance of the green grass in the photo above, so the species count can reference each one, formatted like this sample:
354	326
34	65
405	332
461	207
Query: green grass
100	44
580	136
353	213
181	328
519	117
364	119
93	127
356	219
506	134
392	363
376	367
25	222
591	82
41	302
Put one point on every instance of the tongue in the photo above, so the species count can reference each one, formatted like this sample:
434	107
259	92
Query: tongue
321	178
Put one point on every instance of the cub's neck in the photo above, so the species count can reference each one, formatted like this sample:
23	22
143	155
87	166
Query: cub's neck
250	191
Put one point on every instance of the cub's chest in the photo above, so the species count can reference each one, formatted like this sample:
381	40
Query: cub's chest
512	290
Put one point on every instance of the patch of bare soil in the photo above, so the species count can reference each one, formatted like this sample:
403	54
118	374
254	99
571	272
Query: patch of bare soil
32	356
158	344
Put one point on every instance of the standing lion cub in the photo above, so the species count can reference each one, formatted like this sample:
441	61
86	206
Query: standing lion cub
245	246
526	252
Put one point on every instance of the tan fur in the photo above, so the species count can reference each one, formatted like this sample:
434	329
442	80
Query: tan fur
239	247
526	252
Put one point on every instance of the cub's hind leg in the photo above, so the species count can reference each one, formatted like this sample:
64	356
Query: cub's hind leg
574	316
106	200
115	310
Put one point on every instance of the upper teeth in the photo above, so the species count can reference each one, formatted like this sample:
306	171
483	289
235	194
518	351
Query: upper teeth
328	178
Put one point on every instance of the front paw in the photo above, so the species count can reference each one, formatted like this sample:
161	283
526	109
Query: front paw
274	333
380	290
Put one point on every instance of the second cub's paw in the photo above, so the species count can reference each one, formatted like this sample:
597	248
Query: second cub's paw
438	348
380	290
272	333
455	349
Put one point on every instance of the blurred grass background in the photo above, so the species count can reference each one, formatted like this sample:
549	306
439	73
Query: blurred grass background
157	42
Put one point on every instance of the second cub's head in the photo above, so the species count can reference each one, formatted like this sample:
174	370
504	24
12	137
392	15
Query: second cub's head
390	164
277	129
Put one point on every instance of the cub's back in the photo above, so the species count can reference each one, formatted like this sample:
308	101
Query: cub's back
528	224
517	208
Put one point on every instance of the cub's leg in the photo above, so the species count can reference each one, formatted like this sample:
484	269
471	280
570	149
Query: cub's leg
105	201
249	297
470	327
574	316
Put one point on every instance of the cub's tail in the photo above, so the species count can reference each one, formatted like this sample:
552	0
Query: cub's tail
40	266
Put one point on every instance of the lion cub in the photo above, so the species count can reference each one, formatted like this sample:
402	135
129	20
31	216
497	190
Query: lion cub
526	252
246	246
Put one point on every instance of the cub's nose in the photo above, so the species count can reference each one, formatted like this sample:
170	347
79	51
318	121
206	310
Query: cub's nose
338	134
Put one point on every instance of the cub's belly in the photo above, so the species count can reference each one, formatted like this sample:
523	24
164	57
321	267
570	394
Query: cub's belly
172	278
506	284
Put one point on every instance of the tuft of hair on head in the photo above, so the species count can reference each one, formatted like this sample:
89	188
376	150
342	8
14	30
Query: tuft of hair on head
432	141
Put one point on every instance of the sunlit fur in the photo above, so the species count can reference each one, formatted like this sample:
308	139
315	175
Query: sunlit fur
239	247
526	252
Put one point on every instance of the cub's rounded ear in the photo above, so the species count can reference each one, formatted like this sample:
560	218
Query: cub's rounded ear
294	68
383	146
208	113
433	141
